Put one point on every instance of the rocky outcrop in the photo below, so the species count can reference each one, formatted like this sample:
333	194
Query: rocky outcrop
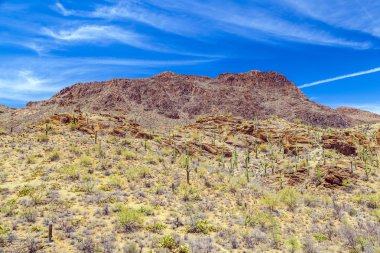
182	98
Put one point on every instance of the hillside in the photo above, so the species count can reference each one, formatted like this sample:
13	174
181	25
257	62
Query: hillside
220	184
169	99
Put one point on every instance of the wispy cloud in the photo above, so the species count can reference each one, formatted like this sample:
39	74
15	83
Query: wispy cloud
368	107
103	35
26	79
347	14
21	85
60	8
366	72
198	18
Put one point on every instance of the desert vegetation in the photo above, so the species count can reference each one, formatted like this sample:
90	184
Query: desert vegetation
221	184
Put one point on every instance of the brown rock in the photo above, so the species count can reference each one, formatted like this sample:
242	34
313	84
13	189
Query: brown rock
179	98
336	177
340	143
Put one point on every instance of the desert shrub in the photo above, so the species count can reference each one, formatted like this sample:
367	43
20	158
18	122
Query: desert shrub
87	245
172	243
130	155
189	193
259	218
130	219
271	201
55	156
4	230
151	158
374	201
140	171
376	213
168	242
350	235
290	197
146	210
200	226
116	181
2	131
131	248
25	191
294	244
9	208
320	237
255	237
87	184
72	172
310	200
276	235
108	244
36	194
236	183
308	246
31	160
29	215
86	161
42	138
155	227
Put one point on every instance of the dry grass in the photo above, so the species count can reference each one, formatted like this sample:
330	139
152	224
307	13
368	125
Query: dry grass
127	194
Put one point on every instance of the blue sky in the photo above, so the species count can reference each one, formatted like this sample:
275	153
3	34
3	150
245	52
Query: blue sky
329	48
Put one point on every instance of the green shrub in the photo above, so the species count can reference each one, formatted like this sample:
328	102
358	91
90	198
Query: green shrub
320	237
201	227
86	161
376	213
138	172
9	208
290	197
72	172
130	220
156	227
260	218
130	155
42	138
25	191
31	160
271	201
151	158
4	230
168	242
116	181
374	201
294	244
55	156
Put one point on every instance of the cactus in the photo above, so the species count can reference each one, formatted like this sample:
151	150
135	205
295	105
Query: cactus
247	160
318	173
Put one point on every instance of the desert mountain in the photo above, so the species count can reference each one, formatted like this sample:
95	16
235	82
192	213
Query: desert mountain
171	99
4	109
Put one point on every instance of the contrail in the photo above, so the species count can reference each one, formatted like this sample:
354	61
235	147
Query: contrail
366	72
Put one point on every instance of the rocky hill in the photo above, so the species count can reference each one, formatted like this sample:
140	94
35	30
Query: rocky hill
171	99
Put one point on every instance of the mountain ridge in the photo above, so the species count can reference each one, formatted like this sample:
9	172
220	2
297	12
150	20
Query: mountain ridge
170	98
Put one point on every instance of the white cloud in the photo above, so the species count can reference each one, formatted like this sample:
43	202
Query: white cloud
369	107
22	85
138	11
63	10
30	79
366	72
101	34
198	19
359	15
